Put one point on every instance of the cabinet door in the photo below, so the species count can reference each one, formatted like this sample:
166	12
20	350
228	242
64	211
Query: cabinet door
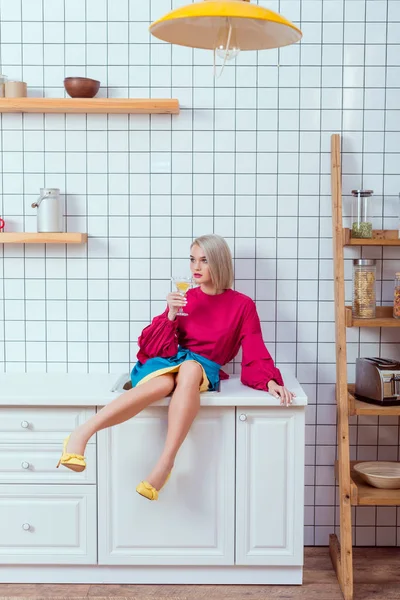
270	482
48	524
192	523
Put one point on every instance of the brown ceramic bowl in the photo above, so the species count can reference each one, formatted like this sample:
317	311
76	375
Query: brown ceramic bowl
81	87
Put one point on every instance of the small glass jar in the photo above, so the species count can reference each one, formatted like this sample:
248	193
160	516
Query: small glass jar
364	295
396	299
3	80
361	225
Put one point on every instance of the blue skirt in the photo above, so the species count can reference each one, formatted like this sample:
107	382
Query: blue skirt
154	367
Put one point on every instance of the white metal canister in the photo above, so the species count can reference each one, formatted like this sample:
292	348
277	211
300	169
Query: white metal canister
50	212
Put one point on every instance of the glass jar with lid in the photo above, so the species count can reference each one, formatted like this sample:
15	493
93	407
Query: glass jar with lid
364	294
396	299
361	221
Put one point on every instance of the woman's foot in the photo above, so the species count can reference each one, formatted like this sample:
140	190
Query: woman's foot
159	474
77	442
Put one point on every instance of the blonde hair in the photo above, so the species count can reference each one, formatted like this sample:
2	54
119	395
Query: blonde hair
219	258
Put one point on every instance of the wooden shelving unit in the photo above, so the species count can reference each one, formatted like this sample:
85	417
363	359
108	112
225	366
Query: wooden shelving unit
42	238
90	105
380	237
352	490
363	494
384	318
358	407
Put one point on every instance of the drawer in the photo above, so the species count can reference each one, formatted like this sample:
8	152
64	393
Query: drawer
36	463
44	423
48	524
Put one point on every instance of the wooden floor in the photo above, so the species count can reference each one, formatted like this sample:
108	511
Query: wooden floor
377	577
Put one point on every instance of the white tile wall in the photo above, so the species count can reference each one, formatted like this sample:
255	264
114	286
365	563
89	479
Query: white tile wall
248	158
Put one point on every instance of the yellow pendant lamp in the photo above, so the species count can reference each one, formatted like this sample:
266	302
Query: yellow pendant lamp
226	27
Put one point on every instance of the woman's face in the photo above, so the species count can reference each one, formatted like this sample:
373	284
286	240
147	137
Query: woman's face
199	266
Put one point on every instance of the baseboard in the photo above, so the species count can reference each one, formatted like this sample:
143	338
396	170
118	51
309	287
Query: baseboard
152	575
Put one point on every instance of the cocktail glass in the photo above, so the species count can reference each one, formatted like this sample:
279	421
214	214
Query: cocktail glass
182	284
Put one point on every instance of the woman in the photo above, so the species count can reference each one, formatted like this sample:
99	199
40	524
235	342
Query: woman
184	355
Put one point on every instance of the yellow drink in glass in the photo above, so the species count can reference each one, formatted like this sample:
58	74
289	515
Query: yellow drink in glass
182	284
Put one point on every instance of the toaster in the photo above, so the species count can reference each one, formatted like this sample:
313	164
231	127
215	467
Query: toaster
378	381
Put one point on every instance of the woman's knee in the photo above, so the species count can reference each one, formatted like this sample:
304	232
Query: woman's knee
163	383
190	373
167	382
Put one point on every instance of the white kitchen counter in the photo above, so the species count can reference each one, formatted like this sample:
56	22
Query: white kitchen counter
77	389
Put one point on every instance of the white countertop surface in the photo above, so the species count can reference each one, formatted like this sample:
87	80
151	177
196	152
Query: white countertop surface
77	389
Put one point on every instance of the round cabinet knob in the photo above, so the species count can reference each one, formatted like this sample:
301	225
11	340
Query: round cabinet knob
24	424
243	417
26	527
25	465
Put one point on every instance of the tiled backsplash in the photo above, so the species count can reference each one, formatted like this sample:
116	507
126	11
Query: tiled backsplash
248	158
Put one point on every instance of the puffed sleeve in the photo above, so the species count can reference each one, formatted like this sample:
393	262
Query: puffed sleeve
159	338
257	365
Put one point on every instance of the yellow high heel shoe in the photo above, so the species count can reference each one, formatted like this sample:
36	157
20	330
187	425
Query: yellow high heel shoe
146	490
75	462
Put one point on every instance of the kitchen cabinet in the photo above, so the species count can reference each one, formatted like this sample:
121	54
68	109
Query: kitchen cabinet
269	486
52	524
192	522
231	513
42	519
35	463
41	424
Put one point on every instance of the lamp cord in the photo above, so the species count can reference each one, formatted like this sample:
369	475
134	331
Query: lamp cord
228	43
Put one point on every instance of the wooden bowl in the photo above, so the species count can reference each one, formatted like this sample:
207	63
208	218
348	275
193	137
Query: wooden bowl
81	87
380	474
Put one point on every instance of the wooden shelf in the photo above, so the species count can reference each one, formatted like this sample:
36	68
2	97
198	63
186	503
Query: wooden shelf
380	237
384	318
362	494
90	105
42	238
358	407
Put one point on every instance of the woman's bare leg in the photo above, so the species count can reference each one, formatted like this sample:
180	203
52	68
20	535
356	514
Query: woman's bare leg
122	408
183	408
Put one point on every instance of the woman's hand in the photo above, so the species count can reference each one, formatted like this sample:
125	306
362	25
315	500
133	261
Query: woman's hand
279	391
175	302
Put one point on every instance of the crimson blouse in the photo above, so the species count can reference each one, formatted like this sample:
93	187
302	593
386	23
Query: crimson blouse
216	327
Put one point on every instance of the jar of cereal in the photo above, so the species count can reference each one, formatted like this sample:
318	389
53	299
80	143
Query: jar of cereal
396	299
364	296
